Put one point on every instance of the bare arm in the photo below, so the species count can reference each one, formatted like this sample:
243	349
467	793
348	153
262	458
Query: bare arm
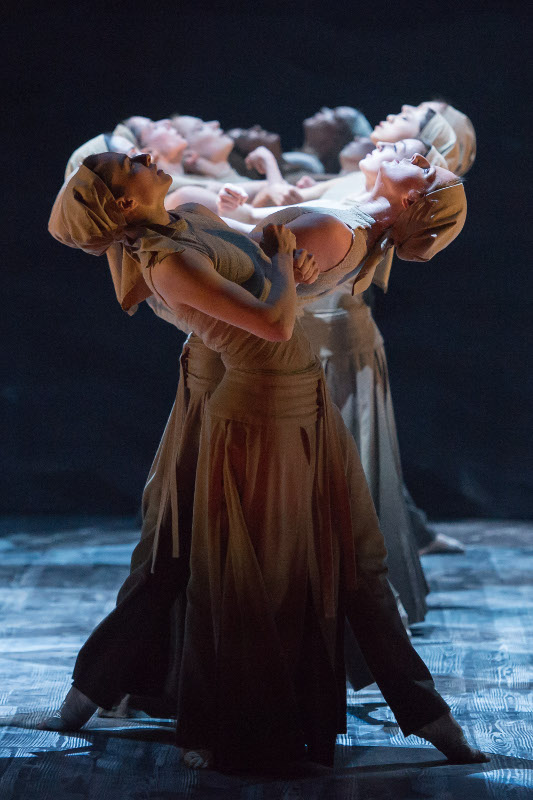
189	278
266	163
316	191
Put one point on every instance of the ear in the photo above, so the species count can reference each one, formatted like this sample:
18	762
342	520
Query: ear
127	204
411	197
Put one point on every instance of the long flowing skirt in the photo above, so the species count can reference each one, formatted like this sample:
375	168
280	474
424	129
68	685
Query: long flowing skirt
284	536
352	353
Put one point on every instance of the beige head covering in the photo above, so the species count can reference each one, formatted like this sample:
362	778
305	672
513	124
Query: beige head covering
435	158
126	133
86	215
430	224
91	148
439	133
466	138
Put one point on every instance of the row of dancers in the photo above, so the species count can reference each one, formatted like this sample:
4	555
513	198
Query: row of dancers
341	327
260	579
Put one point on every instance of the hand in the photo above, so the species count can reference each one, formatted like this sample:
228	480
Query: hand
260	159
278	194
229	198
305	182
277	239
305	267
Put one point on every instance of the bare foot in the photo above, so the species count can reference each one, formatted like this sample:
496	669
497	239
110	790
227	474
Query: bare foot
442	544
75	711
197	759
446	735
121	711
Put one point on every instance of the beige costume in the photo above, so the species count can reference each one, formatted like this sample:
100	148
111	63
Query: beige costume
466	138
284	539
346	339
440	134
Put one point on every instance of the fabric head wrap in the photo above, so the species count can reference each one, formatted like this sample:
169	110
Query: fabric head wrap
466	138
90	148
435	158
125	132
86	215
441	135
430	224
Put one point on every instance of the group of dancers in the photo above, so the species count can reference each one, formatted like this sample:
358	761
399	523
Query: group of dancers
280	548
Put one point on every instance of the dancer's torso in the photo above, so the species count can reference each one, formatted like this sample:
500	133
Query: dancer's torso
240	260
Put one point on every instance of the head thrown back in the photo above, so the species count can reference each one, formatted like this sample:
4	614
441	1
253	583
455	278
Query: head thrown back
430	224
441	135
86	215
466	138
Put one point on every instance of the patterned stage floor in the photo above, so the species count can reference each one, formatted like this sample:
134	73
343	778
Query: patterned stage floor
59	577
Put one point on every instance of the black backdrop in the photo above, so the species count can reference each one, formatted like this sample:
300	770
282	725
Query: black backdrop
85	390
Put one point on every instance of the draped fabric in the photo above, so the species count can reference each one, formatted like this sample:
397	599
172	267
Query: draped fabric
350	346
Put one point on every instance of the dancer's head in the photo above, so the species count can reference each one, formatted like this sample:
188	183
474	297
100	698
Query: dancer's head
103	206
111	142
352	154
137	125
462	126
136	185
162	140
331	129
420	123
207	139
389	151
247	139
429	205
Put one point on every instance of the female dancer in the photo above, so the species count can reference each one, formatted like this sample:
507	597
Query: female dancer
347	340
424	123
282	516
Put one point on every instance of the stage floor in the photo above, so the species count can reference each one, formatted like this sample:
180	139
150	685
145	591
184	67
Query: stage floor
58	578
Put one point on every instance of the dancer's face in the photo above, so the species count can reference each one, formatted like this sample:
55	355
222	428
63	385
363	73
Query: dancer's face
403	182
247	139
353	153
162	139
184	124
405	125
388	151
205	138
327	129
136	183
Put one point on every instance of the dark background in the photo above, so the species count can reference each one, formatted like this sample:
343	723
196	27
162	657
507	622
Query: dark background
85	390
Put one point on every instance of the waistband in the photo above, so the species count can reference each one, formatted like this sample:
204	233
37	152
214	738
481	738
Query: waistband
261	397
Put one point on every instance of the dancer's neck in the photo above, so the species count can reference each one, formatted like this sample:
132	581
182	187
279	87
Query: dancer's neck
383	213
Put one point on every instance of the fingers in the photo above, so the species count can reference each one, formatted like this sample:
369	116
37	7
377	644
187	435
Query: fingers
255	162
305	182
278	239
231	197
305	267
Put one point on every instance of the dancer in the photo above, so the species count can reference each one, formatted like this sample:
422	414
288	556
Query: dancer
309	502
345	336
344	191
325	135
461	124
423	123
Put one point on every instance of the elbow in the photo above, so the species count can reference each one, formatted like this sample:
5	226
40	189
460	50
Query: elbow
281	332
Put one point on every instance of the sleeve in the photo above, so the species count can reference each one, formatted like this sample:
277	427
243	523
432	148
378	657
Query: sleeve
152	248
